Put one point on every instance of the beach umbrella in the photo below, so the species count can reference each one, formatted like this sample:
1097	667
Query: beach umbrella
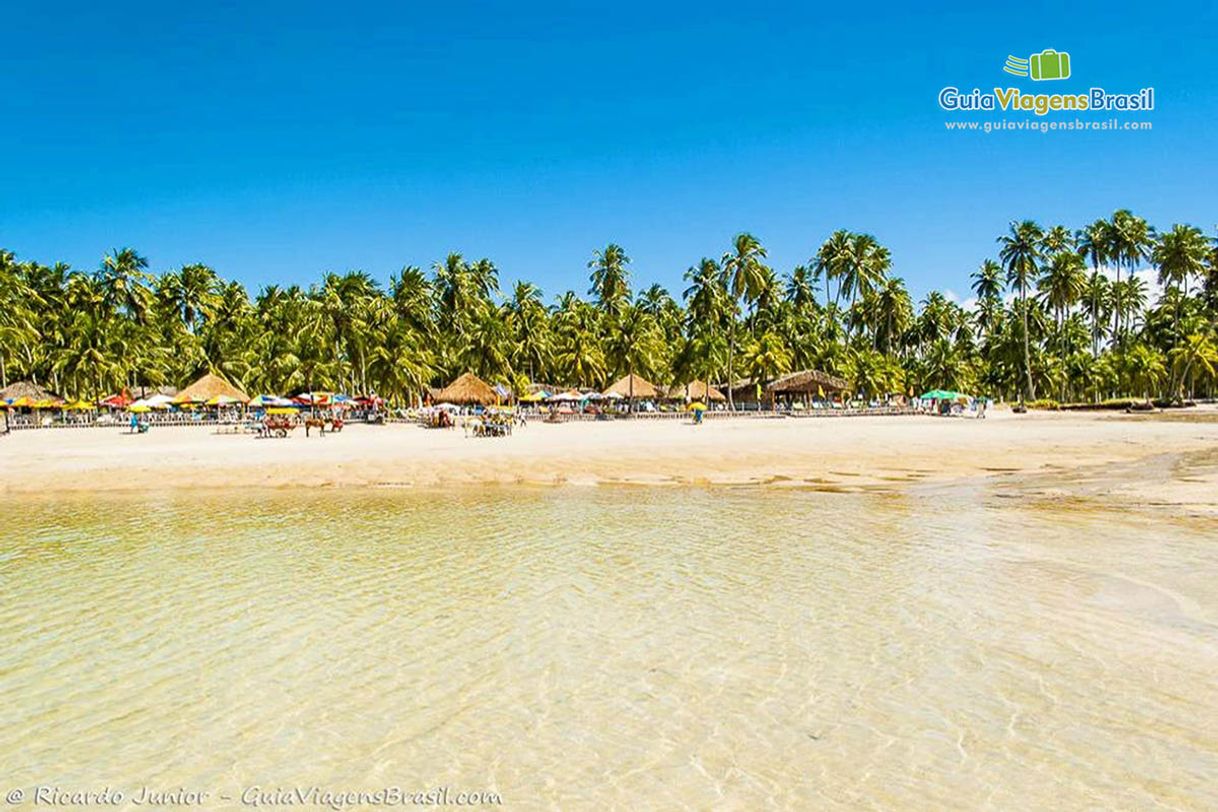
263	401
943	394
222	400
282	410
159	401
208	387
120	401
139	408
468	389
633	386
48	403
697	407
79	406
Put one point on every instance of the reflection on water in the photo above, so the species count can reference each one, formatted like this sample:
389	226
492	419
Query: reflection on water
640	648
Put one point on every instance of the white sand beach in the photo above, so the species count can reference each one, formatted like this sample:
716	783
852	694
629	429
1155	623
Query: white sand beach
1138	456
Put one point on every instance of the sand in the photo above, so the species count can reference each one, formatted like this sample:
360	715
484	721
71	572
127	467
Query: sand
1151	459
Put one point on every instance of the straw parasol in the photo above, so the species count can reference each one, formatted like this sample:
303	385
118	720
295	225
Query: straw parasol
469	388
26	389
632	386
208	387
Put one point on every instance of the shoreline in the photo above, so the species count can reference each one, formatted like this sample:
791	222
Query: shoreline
1102	453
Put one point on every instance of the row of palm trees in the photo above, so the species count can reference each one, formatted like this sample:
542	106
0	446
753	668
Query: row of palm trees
1062	313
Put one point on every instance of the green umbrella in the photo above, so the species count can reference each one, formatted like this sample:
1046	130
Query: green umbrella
943	394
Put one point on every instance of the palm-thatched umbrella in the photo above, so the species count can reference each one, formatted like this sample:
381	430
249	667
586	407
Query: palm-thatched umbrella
26	389
632	386
467	389
208	387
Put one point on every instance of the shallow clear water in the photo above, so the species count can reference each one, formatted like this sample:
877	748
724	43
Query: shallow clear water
638	648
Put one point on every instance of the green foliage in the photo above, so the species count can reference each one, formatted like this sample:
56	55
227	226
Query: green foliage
1080	327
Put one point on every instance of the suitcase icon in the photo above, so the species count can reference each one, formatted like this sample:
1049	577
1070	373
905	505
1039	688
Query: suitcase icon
1050	64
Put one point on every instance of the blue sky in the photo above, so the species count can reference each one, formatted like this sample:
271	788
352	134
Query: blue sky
275	141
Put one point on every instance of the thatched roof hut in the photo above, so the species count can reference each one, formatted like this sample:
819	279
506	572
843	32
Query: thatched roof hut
211	386
469	388
806	381
632	386
26	389
695	390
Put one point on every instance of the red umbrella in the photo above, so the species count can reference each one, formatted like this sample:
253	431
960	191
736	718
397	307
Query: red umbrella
120	401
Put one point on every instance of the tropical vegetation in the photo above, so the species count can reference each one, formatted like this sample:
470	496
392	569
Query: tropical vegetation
1055	313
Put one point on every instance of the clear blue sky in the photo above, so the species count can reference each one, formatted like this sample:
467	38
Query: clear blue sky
275	141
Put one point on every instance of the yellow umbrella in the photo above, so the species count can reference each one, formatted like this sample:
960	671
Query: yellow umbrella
139	409
47	404
697	406
282	410
22	403
223	400
79	405
181	399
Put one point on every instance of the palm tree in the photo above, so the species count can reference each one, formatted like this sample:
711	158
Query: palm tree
1020	252
831	260
530	329
190	293
767	358
893	310
1180	254
1196	355
610	279
746	274
864	266
1063	283
124	279
633	345
801	287
1130	241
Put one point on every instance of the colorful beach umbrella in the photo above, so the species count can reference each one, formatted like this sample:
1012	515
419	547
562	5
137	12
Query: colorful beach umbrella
120	401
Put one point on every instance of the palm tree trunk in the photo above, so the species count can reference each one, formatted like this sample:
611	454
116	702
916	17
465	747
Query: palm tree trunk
731	344
1027	353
